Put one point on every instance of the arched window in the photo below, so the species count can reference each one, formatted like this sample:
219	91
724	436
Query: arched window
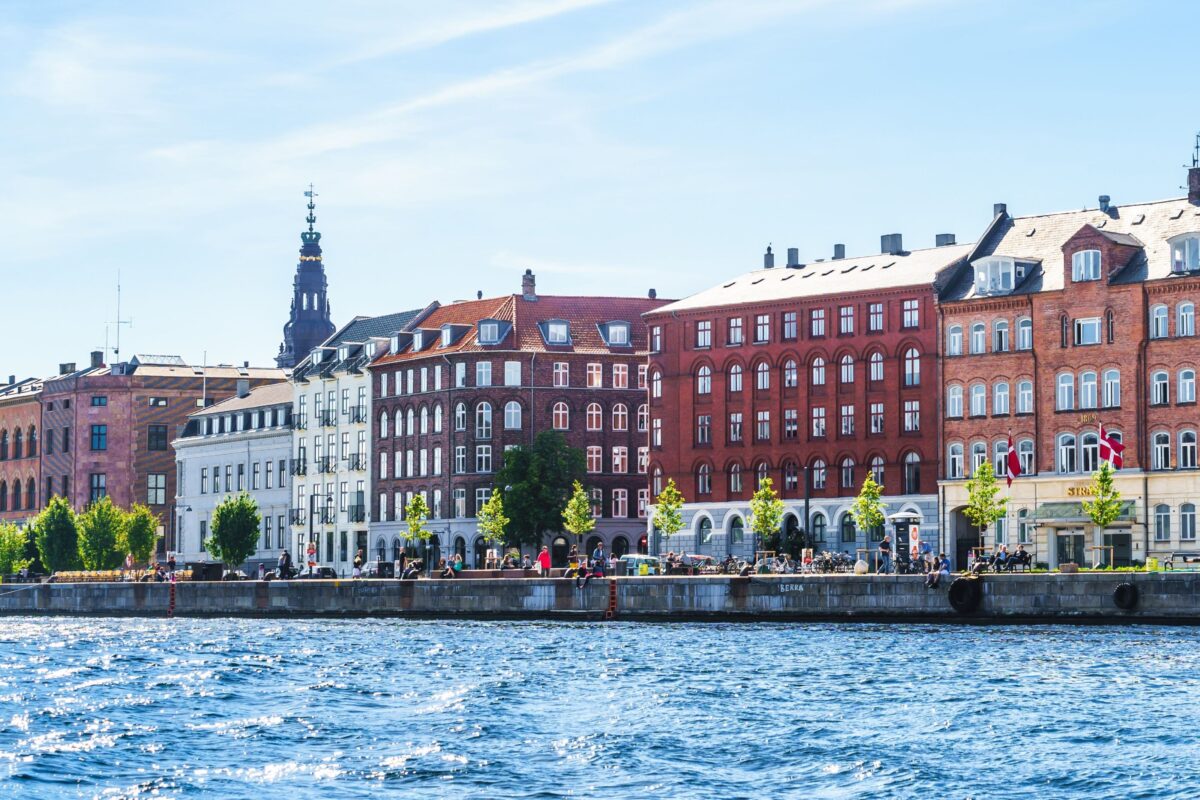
954	401
1025	397
3	445
704	480
1185	319
1025	454
424	419
762	376
1162	523
737	531
1187	450
1112	388
1187	386
1187	522
912	367
761	474
954	461
912	474
410	422
1066	452
818	371
978	338
848	532
817	474
1088	390
595	417
791	476
3	495
1089	450
437	418
1158	322
32	441
704	380
1065	394
1085	265
791	375
656	384
705	530
954	340
620	417
1000	457
847	369
1160	389
876	370
877	469
1000	336
561	417
1000	398
735	378
1024	333
978	400
512	415
460	417
383	425
18	444
30	494
483	420
978	456
847	471
735	478
1160	450
643	418
819	526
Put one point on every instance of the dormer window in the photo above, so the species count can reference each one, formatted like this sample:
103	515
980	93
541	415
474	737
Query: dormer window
1185	253
418	341
316	355
371	349
994	275
395	344
1085	266
489	332
447	336
343	352
558	332
618	334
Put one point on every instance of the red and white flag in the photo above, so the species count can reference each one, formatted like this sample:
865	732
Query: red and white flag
1013	462
1111	449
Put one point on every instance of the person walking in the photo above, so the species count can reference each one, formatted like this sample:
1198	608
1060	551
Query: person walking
543	561
359	560
171	564
599	561
281	566
885	555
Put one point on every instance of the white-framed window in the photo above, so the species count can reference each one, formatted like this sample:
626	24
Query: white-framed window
1162	523
817	474
1187	386
735	378
1187	450
562	374
875	362
954	461
1085	266
703	379
954	401
847	417
1112	388
595	376
1185	319
816	322
733	334
656	432
877	469
735	426
704	333
656	339
512	415
561	417
791	374
656	384
1000	336
912	415
483	420
1025	455
1185	253
847	471
847	369
1065	445
978	456
643	460
704	479
620	376
643	418
954	340
595	417
1065	392
818	421
620	460
1160	388
512	373
643	371
876	416
483	458
1087	331
618	333
978	338
1089	391
1024	333
762	376
620	417
818	372
595	459
993	275
1025	397
912	367
1187	522
762	430
483	373
1000	457
875	317
978	400
1158	322
1000	398
1089	451
846	320
558	332
1160	450
620	503
643	501
762	328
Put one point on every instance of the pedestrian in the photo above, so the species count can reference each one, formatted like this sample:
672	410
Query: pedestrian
599	560
359	560
129	562
885	555
281	566
262	570
525	562
543	561
171	564
585	574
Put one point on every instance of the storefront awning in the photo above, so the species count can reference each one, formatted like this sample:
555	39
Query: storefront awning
1051	513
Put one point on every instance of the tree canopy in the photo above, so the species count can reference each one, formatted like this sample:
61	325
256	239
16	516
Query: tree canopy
766	512
234	530
668	511
537	482
868	508
983	505
101	531
415	514
577	516
1104	506
141	533
57	536
490	519
12	549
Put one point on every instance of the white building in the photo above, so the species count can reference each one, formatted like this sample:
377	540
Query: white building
241	444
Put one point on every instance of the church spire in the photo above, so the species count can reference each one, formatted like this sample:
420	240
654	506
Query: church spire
309	323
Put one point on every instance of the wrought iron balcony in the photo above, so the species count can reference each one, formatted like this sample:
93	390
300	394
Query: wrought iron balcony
300	422
299	467
358	513
327	464
357	461
358	414
328	418
326	515
298	516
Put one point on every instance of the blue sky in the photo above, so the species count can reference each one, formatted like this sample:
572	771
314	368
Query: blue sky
609	146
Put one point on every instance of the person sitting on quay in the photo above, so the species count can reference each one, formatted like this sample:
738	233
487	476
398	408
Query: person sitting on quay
586	573
1000	559
446	570
413	571
359	560
1019	558
940	567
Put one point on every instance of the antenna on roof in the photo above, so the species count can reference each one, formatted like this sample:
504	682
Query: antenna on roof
118	322
1196	152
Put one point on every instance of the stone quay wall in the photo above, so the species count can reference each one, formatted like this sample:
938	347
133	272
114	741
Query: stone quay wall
1161	597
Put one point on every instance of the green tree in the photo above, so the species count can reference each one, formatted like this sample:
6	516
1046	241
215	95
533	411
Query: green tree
233	535
101	531
57	535
491	520
141	533
668	512
12	549
537	483
766	512
1105	504
577	516
868	509
415	514
983	505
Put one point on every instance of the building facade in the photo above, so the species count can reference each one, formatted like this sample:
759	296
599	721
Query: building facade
330	446
243	444
471	380
107	430
1058	324
20	449
811	375
309	323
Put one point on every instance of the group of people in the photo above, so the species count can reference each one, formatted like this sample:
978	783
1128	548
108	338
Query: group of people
1000	560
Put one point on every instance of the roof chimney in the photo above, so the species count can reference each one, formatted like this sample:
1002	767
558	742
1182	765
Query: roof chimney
12	379
479	294
245	365
653	295
943	239
1104	203
528	285
999	208
793	257
891	244
97	359
768	258
839	252
66	368
243	387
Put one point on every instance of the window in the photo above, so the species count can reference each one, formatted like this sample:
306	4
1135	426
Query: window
483	458
791	374
846	320
791	423
1185	319
954	401
816	322
1025	454
595	376
735	478
1087	331
912	415
847	473
1158	322
156	489
912	367
483	373
978	400
562	374
1065	392
1066	452
561	417
1000	398
643	371
912	474
735	426
847	417
1160	392
643	418
656	384
255	475
1160	451
1025	397
512	415
643	503
817	474
704	429
483	421
156	437
818	371
620	503
460	460
1000	336
911	313
762	376
1187	450
704	480
620	417
954	340
954	461
1088	390
734	335
1187	386
978	338
789	325
978	456
620	376
876	415
99	437
656	339
993	275
703	380
1089	450
460	418
512	373
595	417
1112	388
763	426
99	400
1185	254
847	369
847	529
620	460
97	486
1162	523
875	317
618	334
558	332
876	366
704	334
656	432
819	527
1085	265
877	469
735	378
791	476
818	422
1024	334
1187	522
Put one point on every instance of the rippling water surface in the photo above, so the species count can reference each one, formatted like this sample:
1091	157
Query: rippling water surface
320	709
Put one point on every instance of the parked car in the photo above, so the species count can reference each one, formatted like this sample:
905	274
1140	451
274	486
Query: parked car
317	573
379	569
233	575
633	564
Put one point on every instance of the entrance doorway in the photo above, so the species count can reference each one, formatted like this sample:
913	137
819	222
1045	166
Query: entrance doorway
481	548
1122	548
1070	547
620	546
966	536
592	544
558	551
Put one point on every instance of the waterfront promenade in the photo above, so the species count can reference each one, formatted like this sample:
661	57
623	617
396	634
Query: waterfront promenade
1090	597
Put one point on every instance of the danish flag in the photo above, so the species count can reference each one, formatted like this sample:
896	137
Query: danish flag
1111	449
1013	462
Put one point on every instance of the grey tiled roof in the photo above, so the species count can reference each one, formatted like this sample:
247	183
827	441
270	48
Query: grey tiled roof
354	334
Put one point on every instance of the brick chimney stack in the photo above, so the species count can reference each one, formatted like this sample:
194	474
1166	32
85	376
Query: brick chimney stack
528	285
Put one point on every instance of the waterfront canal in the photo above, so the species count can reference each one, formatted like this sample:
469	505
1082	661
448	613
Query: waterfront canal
233	708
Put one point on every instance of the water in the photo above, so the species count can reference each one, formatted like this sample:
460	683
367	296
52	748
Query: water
322	709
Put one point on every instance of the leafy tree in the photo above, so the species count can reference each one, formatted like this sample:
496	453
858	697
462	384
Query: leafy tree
1105	504
57	535
577	516
766	512
234	531
868	508
415	513
12	549
538	482
668	511
141	533
101	531
31	549
983	506
491	520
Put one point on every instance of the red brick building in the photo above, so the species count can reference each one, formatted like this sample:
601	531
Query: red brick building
20	438
810	374
471	379
1059	323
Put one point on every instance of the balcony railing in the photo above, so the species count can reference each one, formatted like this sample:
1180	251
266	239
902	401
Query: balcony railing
358	513
300	422
358	414
326	515
298	516
299	467
327	464
357	461
328	418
